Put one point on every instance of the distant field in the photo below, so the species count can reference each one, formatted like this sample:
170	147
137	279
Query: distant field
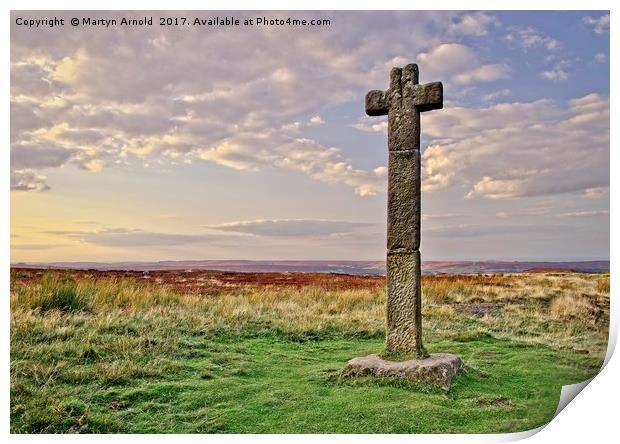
346	267
199	352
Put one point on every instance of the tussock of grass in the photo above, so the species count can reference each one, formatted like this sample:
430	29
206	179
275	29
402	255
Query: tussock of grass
53	293
568	307
56	291
602	285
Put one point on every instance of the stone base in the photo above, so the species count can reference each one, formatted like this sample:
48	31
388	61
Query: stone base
438	369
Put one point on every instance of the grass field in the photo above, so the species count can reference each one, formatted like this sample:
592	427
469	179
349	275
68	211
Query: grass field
200	352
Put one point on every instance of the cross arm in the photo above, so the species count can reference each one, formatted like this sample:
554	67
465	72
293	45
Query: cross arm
377	103
428	96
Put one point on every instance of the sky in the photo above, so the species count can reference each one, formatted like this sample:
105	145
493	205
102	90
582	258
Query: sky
251	142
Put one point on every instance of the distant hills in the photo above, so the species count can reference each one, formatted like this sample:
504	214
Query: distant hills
347	267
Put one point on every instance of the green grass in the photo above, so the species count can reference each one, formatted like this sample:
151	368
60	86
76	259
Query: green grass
133	360
270	385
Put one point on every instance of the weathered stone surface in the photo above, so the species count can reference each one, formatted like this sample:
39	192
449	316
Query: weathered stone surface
404	303
403	221
409	129
377	103
403	102
396	123
428	97
438	369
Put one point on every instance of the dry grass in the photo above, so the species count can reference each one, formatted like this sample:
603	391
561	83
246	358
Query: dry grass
602	285
567	307
565	310
559	309
73	339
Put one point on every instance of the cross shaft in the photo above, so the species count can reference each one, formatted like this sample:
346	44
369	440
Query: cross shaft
402	103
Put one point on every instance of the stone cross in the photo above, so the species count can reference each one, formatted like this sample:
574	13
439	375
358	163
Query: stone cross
403	103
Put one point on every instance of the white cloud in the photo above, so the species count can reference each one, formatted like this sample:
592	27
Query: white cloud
600	57
372	124
484	73
94	165
327	165
585	213
27	180
316	121
600	25
251	152
460	64
516	149
123	237
149	96
65	108
556	74
447	59
289	227
476	24
530	38
496	94
595	193
232	155
426	216
293	126
531	211
480	230
380	171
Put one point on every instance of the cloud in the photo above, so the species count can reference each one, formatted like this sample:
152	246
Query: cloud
484	73
316	121
426	216
28	180
372	124
476	24
585	213
85	222
600	25
36	246
147	96
529	38
325	164
233	155
556	74
511	150
481	146
600	57
38	155
293	126
106	98
532	211
123	237
496	94
479	230
289	227
595	193
380	171
460	64
219	234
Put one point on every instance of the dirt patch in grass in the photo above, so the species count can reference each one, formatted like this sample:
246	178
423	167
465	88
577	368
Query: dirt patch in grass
495	402
479	309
